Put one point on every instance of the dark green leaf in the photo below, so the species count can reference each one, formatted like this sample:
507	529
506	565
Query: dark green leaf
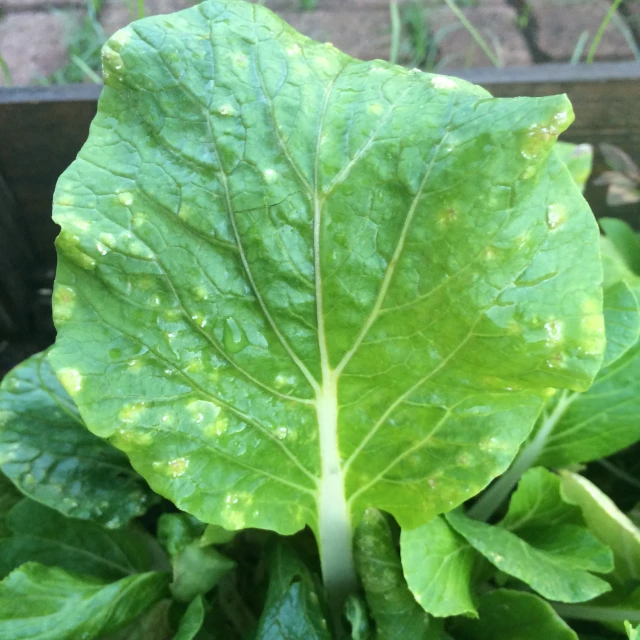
43	535
177	530
292	609
196	570
243	299
47	451
356	613
513	615
9	497
48	603
192	620
396	613
437	563
554	562
152	625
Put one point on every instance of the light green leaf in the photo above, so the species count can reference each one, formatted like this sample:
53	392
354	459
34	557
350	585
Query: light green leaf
621	321
396	613
437	563
282	296
625	240
46	450
601	421
43	535
538	502
554	562
614	266
578	158
215	534
48	603
192	620
355	611
607	523
631	631
513	615
292	609
196	570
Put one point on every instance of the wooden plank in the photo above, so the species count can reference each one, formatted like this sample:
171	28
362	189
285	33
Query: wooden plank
43	128
16	265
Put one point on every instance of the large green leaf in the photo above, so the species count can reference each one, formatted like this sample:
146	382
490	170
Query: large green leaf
43	535
48	603
396	613
47	451
292	609
293	285
513	615
437	564
607	522
557	562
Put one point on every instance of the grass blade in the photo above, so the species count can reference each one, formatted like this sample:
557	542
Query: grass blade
603	25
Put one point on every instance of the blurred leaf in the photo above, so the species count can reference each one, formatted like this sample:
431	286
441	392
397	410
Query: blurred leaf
607	523
554	562
177	530
625	240
47	451
513	615
578	158
621	321
620	161
192	620
356	613
152	625
632	632
9	496
45	536
437	564
292	610
48	603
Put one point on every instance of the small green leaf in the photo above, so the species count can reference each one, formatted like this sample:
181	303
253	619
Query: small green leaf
47	451
554	562
48	603
632	632
214	534
292	609
396	613
513	615
44	535
437	563
538	502
177	530
192	620
196	570
356	613
625	240
607	523
621	321
578	158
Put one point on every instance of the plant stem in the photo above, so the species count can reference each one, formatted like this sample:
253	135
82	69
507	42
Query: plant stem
395	31
141	9
491	500
474	33
600	614
335	535
603	25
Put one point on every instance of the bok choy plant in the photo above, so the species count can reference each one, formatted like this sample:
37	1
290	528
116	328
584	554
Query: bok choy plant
319	305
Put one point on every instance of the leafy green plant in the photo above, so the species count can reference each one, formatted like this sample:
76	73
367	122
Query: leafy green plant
302	295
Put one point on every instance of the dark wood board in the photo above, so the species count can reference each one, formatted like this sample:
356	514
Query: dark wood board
43	128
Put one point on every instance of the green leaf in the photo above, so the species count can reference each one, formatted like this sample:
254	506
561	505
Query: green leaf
578	158
538	502
9	497
43	535
152	625
282	296
192	620
177	530
621	321
48	453
393	608
513	615
601	421
50	604
554	562
356	613
625	240
631	631
214	534
197	570
607	523
437	564
292	609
